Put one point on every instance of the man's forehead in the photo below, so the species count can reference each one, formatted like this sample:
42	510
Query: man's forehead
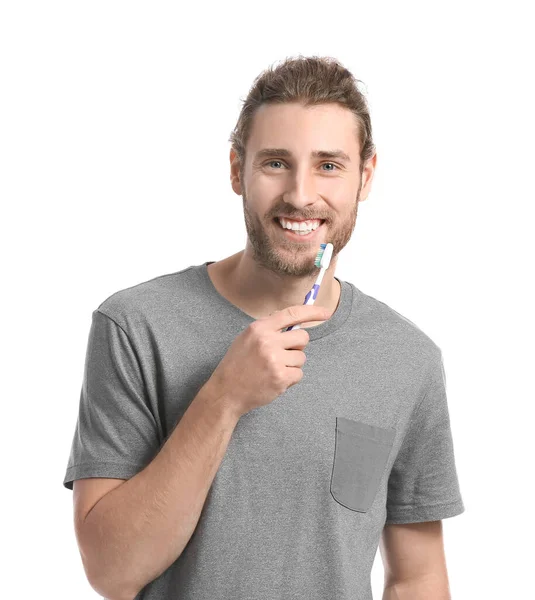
338	131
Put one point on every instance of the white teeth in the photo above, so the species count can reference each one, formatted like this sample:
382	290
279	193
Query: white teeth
305	226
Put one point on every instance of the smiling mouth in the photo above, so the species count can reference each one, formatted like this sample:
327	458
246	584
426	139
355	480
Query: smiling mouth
295	234
276	219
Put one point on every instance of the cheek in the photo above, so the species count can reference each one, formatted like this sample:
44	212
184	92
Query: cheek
265	186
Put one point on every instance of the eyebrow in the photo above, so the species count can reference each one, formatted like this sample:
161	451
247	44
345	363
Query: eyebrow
271	152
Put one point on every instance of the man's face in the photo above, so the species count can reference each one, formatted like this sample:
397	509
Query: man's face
299	185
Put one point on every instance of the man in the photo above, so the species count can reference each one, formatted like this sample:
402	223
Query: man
209	459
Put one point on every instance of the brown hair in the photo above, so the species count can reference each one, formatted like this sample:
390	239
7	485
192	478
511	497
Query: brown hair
309	81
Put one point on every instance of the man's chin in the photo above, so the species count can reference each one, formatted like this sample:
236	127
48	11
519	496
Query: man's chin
300	266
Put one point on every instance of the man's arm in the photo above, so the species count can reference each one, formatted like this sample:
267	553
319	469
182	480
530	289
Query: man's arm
138	529
414	562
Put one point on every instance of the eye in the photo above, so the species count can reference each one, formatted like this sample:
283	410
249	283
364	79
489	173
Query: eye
274	161
332	164
280	162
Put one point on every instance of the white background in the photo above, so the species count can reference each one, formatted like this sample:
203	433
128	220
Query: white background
114	147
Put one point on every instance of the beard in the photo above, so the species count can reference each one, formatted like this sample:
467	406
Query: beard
273	251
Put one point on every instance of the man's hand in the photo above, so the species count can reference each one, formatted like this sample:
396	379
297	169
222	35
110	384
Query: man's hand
264	361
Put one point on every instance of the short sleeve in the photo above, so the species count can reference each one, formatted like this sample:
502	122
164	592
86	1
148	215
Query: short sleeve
116	433
423	483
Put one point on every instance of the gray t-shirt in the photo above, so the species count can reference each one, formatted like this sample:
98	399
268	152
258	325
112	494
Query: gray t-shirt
308	481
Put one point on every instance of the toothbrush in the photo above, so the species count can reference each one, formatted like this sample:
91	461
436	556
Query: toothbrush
323	260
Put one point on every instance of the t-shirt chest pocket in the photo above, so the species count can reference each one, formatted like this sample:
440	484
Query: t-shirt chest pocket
360	457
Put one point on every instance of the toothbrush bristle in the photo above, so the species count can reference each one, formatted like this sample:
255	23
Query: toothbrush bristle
317	262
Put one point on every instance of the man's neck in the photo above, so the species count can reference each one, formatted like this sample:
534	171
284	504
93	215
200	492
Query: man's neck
259	292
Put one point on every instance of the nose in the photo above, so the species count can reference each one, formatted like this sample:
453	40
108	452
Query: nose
301	188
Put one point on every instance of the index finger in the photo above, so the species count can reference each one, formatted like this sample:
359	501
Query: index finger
298	314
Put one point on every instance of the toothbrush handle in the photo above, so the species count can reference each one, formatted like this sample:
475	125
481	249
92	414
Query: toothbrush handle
310	298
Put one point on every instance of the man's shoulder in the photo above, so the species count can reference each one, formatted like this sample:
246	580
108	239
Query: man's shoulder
141	301
393	328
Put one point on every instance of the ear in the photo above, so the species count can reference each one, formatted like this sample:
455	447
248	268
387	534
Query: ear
367	177
235	172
